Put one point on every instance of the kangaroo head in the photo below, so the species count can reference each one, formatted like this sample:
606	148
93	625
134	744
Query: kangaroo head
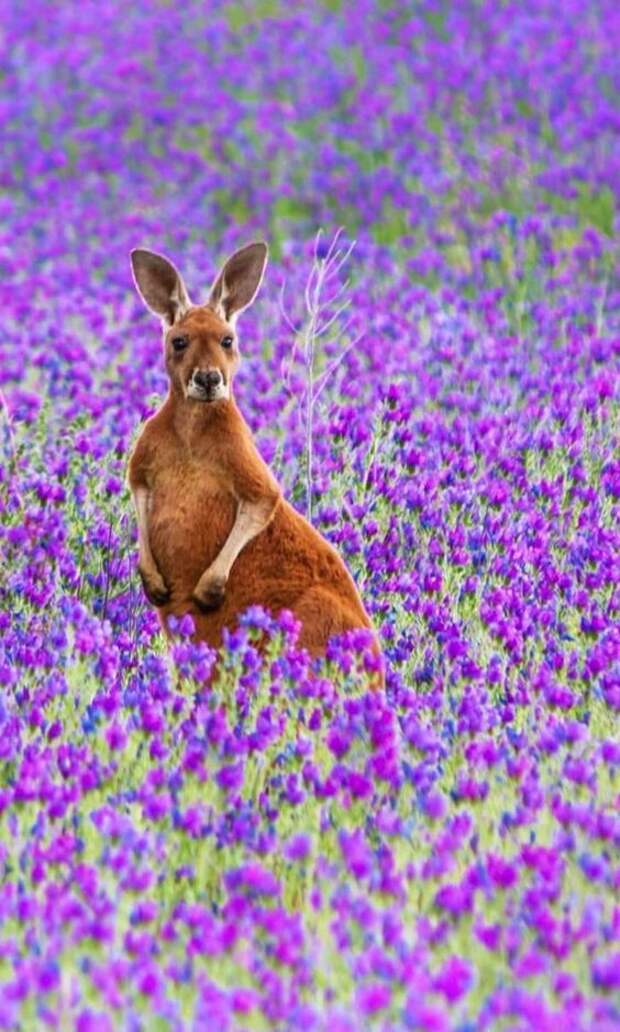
200	341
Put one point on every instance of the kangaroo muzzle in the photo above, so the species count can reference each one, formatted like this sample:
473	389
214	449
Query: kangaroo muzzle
207	385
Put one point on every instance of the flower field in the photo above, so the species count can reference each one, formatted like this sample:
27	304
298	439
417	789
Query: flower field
435	378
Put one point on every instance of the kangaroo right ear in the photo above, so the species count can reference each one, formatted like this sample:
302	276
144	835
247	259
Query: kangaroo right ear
159	285
237	284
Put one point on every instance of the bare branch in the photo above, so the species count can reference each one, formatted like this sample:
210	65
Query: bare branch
320	316
316	243
325	326
339	260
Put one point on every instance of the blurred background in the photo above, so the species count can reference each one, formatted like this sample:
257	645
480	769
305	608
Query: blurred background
406	123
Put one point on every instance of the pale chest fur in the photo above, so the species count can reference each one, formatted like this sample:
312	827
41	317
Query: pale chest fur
189	519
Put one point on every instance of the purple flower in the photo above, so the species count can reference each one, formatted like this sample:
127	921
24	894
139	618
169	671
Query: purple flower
373	998
501	873
338	741
252	878
455	899
454	979
435	805
244	1000
116	737
606	972
230	777
356	853
91	1021
298	848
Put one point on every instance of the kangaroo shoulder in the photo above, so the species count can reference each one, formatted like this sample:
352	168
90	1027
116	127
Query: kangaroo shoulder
152	439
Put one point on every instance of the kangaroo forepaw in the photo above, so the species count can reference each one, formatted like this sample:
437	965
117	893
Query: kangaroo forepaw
155	587
209	593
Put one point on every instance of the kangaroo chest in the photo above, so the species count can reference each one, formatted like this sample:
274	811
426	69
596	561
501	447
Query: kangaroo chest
189	519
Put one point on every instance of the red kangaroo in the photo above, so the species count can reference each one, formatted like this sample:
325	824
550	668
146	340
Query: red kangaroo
215	534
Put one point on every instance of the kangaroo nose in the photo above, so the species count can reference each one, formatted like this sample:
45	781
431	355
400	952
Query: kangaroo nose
208	379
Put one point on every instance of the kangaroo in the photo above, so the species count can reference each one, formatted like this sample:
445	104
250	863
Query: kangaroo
215	534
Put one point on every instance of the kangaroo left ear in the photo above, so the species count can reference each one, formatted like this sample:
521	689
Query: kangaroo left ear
160	285
237	284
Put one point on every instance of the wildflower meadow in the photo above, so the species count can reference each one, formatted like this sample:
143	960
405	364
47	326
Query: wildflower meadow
432	372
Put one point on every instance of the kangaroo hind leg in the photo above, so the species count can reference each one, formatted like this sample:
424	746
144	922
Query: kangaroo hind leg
323	615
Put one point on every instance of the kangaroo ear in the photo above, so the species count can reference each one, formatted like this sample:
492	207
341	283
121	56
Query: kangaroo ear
237	284
159	285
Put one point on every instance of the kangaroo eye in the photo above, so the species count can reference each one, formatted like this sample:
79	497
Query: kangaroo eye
226	342
179	343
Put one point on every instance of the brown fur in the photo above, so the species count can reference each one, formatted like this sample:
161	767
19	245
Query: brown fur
198	462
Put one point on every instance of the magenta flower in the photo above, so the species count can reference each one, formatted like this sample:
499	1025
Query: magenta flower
297	848
356	853
455	899
373	998
606	972
116	737
454	979
230	778
501	873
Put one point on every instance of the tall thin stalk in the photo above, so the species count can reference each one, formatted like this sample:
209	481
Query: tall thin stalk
319	317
